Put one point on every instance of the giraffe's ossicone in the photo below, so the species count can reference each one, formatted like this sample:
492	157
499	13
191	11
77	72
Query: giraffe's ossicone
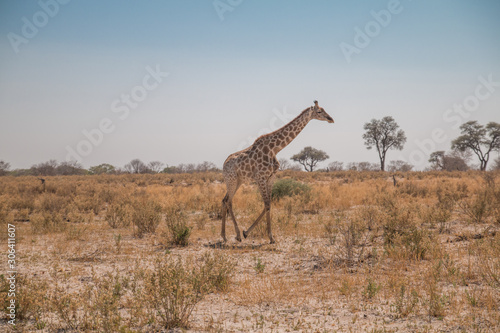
258	163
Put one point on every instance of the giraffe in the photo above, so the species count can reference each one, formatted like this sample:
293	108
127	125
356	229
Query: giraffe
258	163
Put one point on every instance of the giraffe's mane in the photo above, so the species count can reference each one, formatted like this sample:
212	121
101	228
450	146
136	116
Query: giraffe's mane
279	129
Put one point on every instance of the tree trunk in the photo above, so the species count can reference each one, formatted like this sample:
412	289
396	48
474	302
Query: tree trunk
382	163
483	165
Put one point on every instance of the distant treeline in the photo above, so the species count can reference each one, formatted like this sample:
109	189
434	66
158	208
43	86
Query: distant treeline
136	166
439	161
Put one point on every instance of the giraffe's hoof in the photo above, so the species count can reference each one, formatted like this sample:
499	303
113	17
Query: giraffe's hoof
245	234
272	241
238	239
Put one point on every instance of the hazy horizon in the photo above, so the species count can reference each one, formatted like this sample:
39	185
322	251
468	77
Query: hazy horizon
188	81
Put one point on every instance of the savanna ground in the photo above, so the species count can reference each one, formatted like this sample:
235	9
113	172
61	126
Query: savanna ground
354	253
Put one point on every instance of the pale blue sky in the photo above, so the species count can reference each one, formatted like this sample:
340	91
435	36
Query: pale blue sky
228	79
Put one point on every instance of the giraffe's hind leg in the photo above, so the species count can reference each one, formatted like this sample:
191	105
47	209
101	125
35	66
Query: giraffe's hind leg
227	207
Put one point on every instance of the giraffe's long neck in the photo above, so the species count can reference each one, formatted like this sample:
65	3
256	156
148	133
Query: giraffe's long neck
280	138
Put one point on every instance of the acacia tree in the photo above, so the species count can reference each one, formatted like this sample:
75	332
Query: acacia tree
102	168
481	140
309	157
383	135
441	161
4	168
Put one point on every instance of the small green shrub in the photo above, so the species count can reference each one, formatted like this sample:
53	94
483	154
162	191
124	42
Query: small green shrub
259	266
371	289
406	301
287	188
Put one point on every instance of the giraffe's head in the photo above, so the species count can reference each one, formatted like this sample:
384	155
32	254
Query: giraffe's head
319	113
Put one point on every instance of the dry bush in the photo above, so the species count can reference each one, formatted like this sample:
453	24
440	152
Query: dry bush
30	298
173	288
476	208
487	260
146	217
177	225
119	215
413	190
442	210
42	223
94	308
21	202
91	203
403	238
6	217
351	234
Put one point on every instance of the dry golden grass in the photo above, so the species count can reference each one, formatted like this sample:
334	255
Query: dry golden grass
353	253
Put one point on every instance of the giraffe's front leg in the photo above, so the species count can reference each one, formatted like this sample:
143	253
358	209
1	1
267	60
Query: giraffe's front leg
224	212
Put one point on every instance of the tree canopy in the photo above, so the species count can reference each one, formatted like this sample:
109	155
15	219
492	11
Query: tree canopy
309	157
481	140
383	134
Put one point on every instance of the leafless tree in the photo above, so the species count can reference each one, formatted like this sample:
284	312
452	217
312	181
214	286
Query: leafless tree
155	166
45	169
284	164
336	166
70	168
399	165
135	166
206	166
